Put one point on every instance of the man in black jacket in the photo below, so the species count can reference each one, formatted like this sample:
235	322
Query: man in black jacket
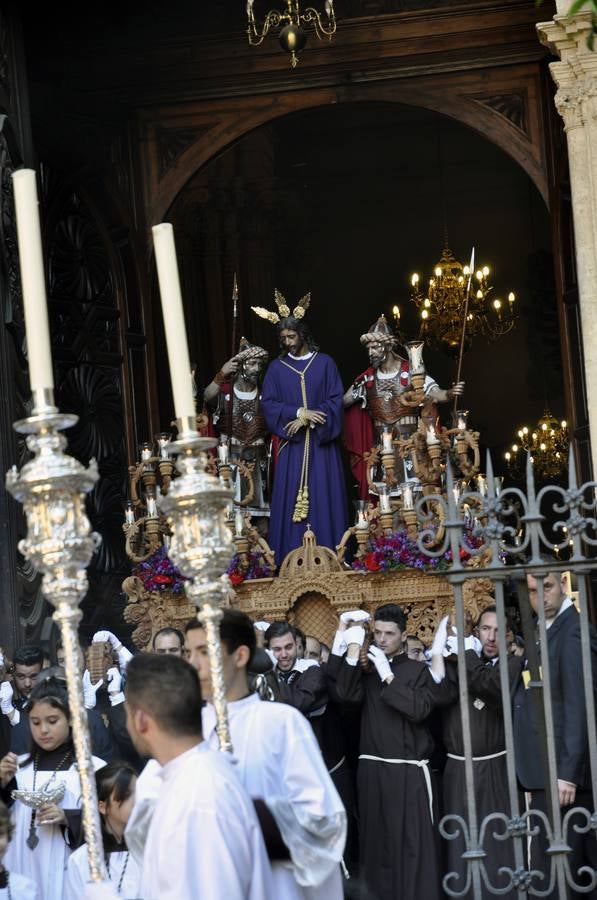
570	729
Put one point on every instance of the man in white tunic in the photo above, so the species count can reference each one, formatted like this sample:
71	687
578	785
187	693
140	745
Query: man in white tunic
281	767
204	840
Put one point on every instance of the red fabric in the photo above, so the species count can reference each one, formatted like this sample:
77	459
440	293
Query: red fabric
358	438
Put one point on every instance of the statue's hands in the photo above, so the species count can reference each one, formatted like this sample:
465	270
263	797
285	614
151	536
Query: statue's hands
314	416
230	367
457	390
293	427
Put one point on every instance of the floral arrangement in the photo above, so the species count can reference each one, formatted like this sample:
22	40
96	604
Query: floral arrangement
253	566
391	552
158	573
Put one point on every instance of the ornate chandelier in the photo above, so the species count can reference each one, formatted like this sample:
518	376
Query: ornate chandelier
547	443
292	26
452	290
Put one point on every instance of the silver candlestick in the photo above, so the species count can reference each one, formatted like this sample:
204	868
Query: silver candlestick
60	544
202	547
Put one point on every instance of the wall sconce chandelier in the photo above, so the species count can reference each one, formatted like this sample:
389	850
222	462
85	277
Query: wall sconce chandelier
547	443
442	305
292	26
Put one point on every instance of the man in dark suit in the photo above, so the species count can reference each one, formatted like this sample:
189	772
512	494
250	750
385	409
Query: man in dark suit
570	730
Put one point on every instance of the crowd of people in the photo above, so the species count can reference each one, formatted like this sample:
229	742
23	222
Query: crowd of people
344	762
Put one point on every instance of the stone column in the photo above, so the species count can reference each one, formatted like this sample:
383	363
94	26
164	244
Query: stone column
575	75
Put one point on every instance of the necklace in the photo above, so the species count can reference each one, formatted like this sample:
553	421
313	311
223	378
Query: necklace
121	879
33	839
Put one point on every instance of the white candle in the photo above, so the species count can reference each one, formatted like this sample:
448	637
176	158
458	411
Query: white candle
152	508
482	485
387	442
407	496
129	514
415	357
238	523
163	441
145	453
462	416
33	280
223	453
384	503
431	436
174	326
362	522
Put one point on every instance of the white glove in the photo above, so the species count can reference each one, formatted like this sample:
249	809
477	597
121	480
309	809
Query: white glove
354	635
6	704
440	637
381	662
106	636
301	665
470	643
124	657
355	615
261	626
115	692
339	647
90	690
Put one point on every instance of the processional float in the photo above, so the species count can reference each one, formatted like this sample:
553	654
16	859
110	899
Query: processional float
52	488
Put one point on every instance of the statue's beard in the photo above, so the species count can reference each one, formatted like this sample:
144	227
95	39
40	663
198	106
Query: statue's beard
376	361
250	378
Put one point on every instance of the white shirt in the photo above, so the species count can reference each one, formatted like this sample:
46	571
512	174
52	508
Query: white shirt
21	888
566	604
204	841
279	761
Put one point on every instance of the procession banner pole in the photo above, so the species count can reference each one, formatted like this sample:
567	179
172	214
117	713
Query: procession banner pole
462	336
233	354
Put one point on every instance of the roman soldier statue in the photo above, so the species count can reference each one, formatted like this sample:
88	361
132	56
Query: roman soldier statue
380	400
234	397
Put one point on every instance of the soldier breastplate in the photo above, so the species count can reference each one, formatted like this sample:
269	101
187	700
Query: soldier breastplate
248	424
383	401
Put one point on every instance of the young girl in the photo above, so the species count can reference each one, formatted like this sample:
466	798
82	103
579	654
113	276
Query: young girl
116	796
43	837
12	885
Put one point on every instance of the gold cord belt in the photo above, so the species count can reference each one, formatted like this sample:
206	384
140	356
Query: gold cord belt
301	507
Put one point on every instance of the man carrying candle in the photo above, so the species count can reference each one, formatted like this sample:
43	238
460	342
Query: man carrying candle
375	402
238	383
302	406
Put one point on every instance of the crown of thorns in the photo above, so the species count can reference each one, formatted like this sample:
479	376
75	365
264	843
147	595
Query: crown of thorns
283	309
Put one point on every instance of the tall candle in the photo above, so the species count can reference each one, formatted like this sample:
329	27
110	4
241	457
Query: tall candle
176	336
33	280
387	445
415	357
407	496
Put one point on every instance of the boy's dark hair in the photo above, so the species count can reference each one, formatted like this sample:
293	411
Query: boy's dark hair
167	689
488	609
28	655
276	630
168	630
391	612
6	823
236	630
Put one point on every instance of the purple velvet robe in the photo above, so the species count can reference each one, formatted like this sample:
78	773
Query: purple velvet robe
281	398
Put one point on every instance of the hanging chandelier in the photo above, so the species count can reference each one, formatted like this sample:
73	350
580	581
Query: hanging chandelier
547	443
292	26
453	289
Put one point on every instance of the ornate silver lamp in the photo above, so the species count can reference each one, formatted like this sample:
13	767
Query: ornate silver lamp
197	502
52	488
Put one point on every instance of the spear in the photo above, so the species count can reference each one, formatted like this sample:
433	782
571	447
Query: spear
471	269
233	353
